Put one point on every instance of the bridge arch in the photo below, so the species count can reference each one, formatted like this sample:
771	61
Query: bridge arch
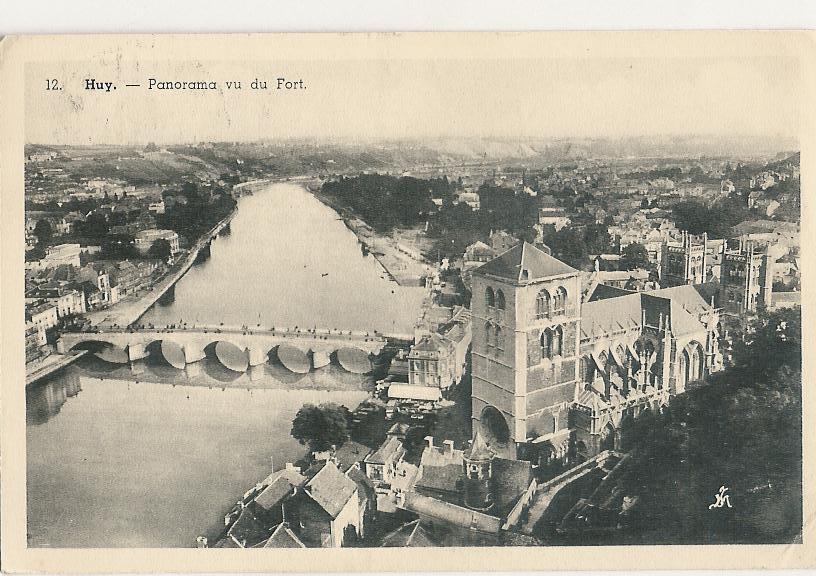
229	355
354	360
294	359
103	350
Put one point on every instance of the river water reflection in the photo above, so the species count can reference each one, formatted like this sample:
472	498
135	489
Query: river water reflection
150	456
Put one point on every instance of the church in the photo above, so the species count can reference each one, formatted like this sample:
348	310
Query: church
555	374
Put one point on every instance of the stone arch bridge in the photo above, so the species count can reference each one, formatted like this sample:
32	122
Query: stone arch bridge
237	348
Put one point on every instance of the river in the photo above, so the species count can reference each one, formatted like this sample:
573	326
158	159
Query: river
150	456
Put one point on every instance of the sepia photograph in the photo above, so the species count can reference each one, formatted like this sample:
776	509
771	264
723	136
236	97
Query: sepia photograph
408	291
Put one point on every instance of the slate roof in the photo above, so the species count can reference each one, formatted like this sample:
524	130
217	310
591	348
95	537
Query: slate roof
687	296
331	489
451	513
248	530
410	535
480	450
350	453
599	317
610	314
387	451
273	494
524	257
282	537
441	477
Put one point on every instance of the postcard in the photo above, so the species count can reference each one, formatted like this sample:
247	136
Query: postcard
298	302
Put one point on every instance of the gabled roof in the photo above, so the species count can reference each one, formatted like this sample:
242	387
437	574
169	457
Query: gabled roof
524	258
331	489
389	450
275	493
480	450
412	535
247	530
430	343
283	537
350	453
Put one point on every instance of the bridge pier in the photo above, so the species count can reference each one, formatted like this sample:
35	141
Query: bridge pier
257	355
192	369
137	367
193	353
320	358
256	372
136	352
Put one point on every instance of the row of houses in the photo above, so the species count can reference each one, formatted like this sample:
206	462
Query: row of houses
453	494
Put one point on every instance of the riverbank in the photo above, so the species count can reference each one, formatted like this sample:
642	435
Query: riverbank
38	370
128	311
402	264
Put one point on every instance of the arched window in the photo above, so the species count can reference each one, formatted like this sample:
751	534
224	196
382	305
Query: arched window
489	334
558	341
560	300
500	303
499	338
490	297
542	309
546	343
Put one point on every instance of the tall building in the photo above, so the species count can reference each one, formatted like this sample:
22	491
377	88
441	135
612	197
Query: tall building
684	261
525	308
556	379
746	277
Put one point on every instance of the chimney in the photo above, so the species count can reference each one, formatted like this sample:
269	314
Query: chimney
429	440
292	467
448	447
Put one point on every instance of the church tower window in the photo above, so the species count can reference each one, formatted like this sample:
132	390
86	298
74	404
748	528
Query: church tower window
490	297
500	302
542	305
499	338
546	343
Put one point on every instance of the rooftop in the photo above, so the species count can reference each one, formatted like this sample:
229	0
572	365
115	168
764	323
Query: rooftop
331	489
389	450
524	262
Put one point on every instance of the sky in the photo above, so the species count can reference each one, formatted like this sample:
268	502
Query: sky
415	98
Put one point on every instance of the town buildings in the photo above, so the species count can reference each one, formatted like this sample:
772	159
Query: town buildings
145	239
746	277
684	261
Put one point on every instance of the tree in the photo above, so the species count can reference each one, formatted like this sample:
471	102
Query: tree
44	232
160	249
322	426
634	256
773	340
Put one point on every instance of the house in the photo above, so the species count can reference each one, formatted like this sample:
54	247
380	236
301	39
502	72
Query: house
471	199
282	537
381	466
279	486
145	239
62	254
327	510
501	241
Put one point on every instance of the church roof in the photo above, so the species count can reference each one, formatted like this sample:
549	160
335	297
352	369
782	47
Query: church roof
524	257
